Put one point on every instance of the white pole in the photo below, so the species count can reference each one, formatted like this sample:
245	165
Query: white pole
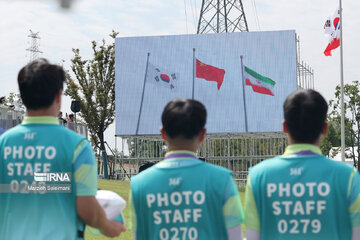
243	88
342	88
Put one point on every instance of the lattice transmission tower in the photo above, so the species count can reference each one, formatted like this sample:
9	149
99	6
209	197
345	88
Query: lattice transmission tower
218	16
34	45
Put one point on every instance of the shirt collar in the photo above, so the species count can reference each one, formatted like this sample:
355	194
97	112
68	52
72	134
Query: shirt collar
180	158
180	154
302	149
41	120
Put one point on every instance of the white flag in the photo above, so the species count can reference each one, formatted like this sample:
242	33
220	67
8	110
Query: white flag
162	77
332	30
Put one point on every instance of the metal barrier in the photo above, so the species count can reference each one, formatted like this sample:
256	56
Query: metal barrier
80	128
10	118
237	152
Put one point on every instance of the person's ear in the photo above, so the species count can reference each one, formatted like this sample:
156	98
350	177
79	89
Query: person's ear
325	128
285	129
163	134
58	97
202	135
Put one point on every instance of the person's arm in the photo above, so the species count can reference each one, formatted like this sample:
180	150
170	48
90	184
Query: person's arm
132	223
355	233
252	234
354	203
85	177
252	220
90	211
235	233
232	211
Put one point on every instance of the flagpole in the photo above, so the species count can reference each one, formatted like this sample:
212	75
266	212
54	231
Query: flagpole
143	92
342	87
193	80
243	88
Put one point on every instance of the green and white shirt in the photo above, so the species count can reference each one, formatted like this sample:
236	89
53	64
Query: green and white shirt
41	145
303	195
182	197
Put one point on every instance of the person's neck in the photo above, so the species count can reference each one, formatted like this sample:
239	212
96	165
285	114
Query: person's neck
41	112
182	148
316	143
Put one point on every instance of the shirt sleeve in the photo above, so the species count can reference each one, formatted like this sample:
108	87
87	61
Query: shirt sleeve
232	210
84	168
354	197
252	220
132	224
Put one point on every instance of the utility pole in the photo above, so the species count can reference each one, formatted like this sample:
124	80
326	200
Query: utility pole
35	45
219	16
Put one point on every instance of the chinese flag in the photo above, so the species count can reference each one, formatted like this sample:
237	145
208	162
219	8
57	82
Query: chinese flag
210	73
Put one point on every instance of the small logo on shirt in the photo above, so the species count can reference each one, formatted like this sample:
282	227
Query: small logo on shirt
52	177
30	135
174	181
295	171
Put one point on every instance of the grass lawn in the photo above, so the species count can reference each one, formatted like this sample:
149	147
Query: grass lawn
122	188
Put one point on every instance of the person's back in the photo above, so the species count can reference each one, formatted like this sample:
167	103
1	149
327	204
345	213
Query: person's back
181	200
26	149
183	197
302	194
48	175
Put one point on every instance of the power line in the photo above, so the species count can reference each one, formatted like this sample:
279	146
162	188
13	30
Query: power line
256	15
186	17
193	12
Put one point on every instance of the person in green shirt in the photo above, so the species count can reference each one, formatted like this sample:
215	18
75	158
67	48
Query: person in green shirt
182	197
41	146
303	194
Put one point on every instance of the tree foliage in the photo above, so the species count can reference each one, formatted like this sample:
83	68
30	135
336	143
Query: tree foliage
332	140
94	85
352	118
15	99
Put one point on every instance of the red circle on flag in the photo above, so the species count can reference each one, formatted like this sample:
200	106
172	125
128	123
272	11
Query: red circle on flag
165	78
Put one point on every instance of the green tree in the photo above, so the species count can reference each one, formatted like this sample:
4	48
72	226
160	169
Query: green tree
94	85
15	99
352	120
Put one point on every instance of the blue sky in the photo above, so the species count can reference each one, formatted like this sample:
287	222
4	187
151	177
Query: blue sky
88	20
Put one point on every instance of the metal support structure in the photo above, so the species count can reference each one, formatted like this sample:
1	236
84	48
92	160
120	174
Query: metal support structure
219	16
305	74
35	45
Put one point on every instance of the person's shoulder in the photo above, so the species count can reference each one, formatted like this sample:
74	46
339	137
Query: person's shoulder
266	165
339	166
13	132
145	174
216	168
69	133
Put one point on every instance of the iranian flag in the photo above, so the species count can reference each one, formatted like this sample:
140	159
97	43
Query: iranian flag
259	83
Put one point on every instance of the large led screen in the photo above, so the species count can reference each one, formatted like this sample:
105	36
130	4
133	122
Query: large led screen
242	79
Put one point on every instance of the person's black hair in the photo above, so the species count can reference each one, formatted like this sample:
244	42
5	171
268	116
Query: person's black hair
2	99
305	114
71	115
39	82
183	118
145	166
